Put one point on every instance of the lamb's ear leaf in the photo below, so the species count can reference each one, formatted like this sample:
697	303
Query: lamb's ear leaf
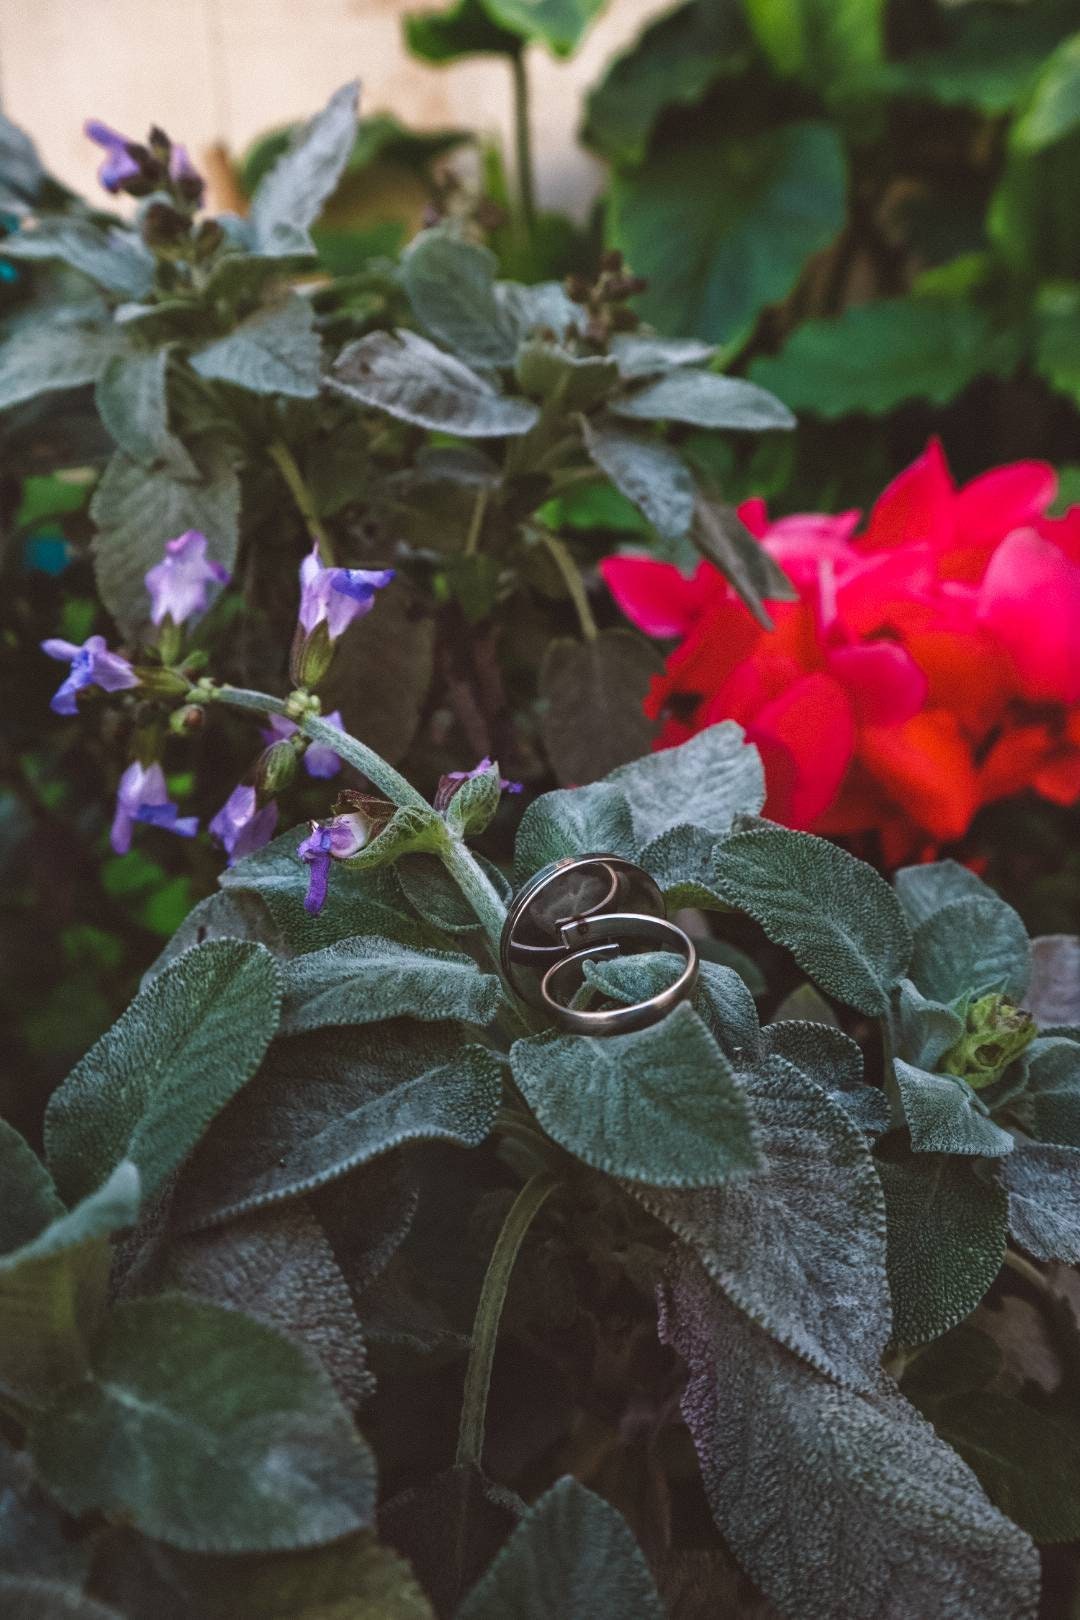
818	1285
838	918
375	977
154	1081
1050	1103
1053	996
450	1528
290	198
593	691
833	1060
275	350
925	1029
404	375
972	945
325	1103
660	1106
922	890
450	283
945	1115
572	1555
705	782
946	1225
433	894
1043	1184
908	1530
648	473
574	821
261	1457
720	998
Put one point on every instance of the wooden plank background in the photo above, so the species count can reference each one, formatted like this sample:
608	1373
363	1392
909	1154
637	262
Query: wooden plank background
225	70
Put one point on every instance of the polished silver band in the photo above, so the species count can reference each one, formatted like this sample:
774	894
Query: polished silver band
607	931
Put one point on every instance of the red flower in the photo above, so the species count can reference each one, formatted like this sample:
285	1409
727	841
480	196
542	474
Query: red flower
930	664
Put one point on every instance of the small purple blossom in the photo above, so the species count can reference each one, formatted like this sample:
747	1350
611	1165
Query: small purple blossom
178	584
143	796
478	770
319	758
92	664
240	826
330	840
118	165
183	173
337	596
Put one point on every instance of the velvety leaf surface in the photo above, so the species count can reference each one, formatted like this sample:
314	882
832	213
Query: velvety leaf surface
290	198
1054	993
273	351
35	1537
707	400
926	1028
970	946
278	1266
1043	1184
720	996
594	691
228	914
210	1431
907	1532
834	1062
132	401
372	977
648	473
73	349
706	781
450	284
1027	1461
155	1080
436	898
1050	1105
946	1228
800	1246
945	1115
642	355
571	1555
450	1528
592	820
409	378
660	1106
840	921
922	890
329	1101
137	510
112	256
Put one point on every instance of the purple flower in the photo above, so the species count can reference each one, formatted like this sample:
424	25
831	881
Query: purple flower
183	173
119	165
330	840
319	758
178	583
451	782
241	826
143	796
337	595
92	664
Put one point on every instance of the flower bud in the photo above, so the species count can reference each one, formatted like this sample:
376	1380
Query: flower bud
312	654
275	768
162	683
189	718
996	1031
163	227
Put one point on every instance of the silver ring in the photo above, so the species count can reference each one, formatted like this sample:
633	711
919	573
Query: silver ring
608	931
582	907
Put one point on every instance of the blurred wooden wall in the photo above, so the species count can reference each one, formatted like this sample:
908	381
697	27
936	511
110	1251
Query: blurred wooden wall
224	70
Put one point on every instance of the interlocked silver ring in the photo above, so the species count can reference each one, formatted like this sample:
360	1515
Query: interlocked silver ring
584	908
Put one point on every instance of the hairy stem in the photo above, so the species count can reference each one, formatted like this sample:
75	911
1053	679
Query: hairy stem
285	462
485	1332
523	146
571	577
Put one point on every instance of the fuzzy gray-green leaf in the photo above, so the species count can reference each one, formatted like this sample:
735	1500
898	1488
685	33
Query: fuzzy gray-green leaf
371	977
273	351
969	946
290	198
404	375
1043	1184
576	821
593	691
39	358
706	400
155	1080
705	782
450	283
648	473
922	890
945	1115
1051	1099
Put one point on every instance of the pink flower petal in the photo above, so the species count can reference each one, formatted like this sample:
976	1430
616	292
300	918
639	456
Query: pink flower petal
1004	498
917	505
806	738
1030	600
655	595
883	681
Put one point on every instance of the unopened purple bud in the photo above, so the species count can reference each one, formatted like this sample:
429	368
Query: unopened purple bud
320	759
178	584
92	664
143	796
240	826
184	175
451	781
120	163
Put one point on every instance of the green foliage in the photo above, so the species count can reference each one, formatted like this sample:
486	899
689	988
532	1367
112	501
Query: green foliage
290	198
592	723
365	980
971	945
411	379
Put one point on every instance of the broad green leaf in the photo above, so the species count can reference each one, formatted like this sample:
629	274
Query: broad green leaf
576	821
988	60
466	28
971	946
290	198
115	257
922	890
720	534
1053	108
274	351
648	473
572	1554
137	510
945	1115
672	63
803	1476
946	1241
228	914
1053	996
640	355
841	922
800	1246
720	229
577	382
208	1431
278	1266
833	1061
706	781
593	691
1043	1184
707	400
132	401
433	894
1033	218
832	45
409	378
30	1597
876	356
326	1102
54	1269
450	284
1050	1104
1027	1461
382	671
154	1081
558	24
926	1029
720	997
450	1529
72	348
660	1106
372	977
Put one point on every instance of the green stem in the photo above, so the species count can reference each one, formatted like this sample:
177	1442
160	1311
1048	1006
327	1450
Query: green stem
478	890
571	577
489	1309
476	522
523	147
285	462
